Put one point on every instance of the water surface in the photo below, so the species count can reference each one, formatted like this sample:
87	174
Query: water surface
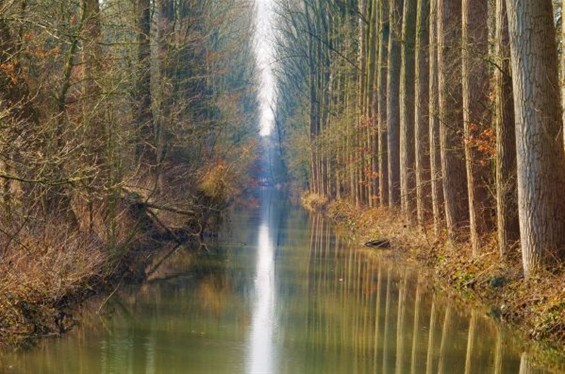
279	293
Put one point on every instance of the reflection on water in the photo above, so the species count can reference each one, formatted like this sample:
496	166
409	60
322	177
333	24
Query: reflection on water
280	294
261	358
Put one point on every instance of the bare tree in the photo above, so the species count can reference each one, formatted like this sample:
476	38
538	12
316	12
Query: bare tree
539	143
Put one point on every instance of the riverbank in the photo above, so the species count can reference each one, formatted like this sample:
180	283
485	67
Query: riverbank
536	306
48	273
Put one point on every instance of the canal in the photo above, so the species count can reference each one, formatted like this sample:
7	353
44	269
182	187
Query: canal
278	292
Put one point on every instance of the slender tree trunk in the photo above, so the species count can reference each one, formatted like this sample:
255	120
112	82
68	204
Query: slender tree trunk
506	193
393	104
146	146
407	96
563	69
416	330
372	84
539	143
421	118
400	325
362	94
475	116
384	34
451	118
431	337
434	124
445	338
471	343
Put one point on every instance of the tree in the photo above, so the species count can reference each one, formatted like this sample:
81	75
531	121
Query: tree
421	117
407	110
475	116
451	117
539	143
393	104
384	34
434	123
506	193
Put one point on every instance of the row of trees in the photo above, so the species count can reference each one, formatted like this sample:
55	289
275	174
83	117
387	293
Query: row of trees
446	110
102	100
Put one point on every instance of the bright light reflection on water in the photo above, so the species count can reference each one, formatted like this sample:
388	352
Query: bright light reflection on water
261	357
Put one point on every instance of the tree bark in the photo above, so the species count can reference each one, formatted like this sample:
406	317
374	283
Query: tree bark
384	33
539	143
475	116
407	96
506	193
434	125
393	104
451	118
421	117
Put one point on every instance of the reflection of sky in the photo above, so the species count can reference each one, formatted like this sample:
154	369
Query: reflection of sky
265	57
260	357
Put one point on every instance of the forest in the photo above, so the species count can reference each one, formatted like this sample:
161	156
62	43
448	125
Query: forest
119	120
448	112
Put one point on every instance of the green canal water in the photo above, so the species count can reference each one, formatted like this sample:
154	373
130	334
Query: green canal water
279	293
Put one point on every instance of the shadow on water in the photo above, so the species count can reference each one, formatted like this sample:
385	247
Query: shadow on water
280	293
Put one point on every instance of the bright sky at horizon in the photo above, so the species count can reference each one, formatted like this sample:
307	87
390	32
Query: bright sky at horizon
265	57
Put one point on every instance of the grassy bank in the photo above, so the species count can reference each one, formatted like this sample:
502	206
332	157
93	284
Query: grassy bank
536	306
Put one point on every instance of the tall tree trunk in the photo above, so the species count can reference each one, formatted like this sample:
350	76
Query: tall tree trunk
434	124
362	92
563	68
506	193
371	110
421	118
407	96
146	145
475	116
471	343
451	118
539	143
431	336
393	104
384	34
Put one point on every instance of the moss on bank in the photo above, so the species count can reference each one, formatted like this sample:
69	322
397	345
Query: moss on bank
536	306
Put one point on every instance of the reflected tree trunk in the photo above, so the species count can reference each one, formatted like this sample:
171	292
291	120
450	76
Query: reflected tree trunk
445	337
400	349
498	351
527	365
431	338
416	327
386	336
471	342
